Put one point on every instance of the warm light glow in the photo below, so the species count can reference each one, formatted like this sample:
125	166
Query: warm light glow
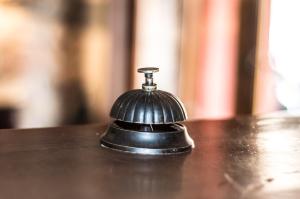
284	49
28	67
157	42
217	68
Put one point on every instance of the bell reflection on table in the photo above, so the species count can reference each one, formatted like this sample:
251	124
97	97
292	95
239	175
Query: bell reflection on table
147	176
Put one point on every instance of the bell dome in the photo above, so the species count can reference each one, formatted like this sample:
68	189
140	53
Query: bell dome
144	107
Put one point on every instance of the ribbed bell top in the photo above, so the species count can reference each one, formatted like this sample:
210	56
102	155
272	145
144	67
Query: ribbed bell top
144	107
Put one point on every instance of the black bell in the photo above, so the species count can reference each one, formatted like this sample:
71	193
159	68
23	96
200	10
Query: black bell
146	121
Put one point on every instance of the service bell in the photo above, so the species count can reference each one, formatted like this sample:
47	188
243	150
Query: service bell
146	121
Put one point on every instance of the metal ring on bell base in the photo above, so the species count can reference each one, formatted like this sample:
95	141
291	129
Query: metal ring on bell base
149	143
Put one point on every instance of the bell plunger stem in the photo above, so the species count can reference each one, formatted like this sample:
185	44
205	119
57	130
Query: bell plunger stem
148	72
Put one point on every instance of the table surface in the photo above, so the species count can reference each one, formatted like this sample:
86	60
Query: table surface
238	158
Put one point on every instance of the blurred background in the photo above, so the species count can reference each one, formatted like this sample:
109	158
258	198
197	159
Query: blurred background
65	62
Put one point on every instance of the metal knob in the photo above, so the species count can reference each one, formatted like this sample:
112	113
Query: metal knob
148	72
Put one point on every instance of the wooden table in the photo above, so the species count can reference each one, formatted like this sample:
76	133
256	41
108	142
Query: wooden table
239	158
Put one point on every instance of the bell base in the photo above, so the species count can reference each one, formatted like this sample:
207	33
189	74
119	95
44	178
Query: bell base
163	140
